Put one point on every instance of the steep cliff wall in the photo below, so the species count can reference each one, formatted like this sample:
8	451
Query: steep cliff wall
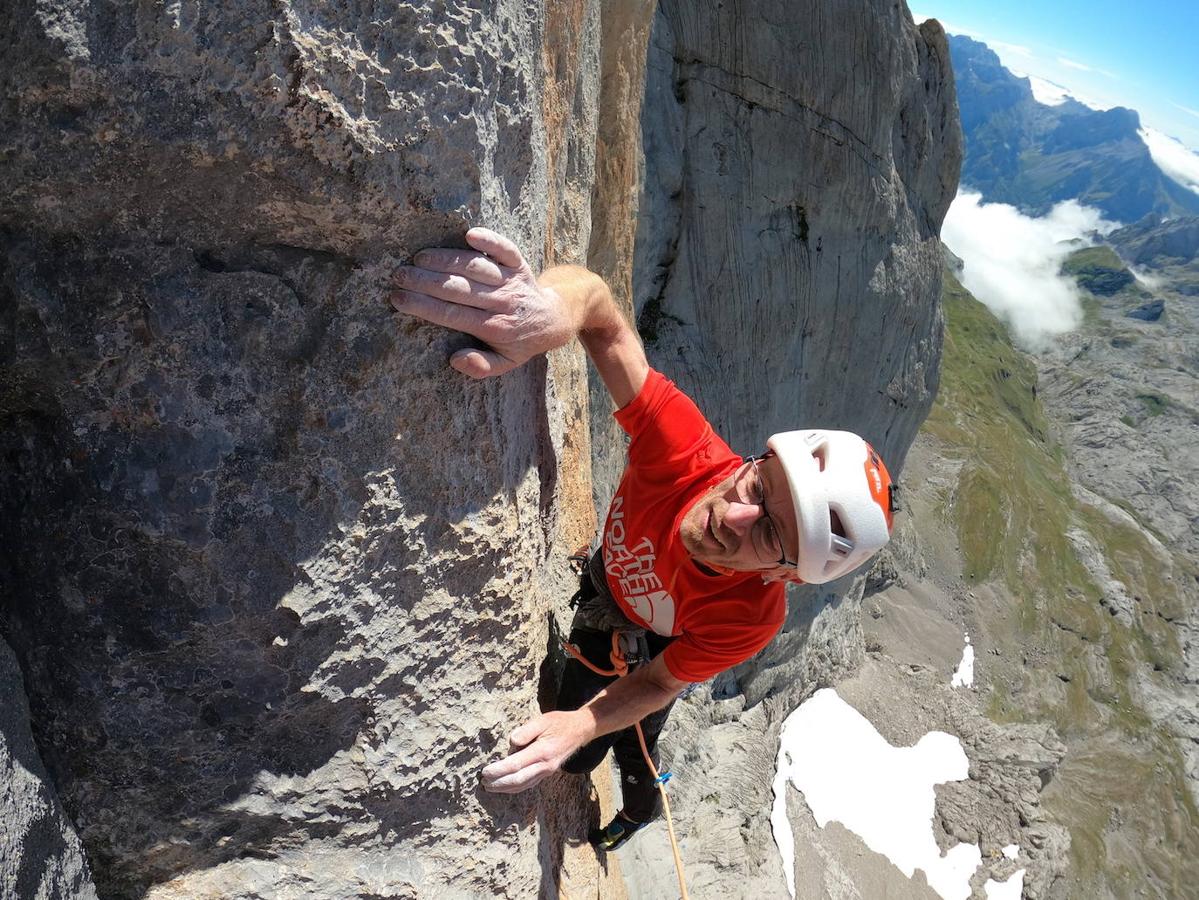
40	854
788	262
799	160
277	578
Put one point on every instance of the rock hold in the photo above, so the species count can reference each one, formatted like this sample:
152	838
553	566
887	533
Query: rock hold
1148	312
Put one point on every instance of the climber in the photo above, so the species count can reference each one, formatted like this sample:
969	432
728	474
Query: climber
698	544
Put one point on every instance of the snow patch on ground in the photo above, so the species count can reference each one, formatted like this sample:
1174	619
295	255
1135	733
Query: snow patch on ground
1011	851
964	675
847	771
1012	889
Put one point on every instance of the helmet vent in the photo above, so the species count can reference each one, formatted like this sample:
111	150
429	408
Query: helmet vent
834	523
820	454
841	543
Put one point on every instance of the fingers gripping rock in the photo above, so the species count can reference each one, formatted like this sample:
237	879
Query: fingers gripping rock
489	293
526	733
481	363
475	266
496	246
538	748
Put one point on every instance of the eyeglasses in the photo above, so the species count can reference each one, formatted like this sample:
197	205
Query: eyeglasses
765	536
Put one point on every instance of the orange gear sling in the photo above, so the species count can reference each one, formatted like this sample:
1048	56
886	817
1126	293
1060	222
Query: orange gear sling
620	668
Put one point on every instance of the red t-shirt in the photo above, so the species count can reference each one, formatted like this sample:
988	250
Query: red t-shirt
674	457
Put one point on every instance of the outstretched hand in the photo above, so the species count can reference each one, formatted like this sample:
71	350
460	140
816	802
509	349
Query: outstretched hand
538	749
489	293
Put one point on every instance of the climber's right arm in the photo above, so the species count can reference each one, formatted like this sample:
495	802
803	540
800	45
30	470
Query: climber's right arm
609	340
493	295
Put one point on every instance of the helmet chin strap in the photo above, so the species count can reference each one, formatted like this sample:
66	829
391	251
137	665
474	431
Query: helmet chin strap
791	577
720	570
715	567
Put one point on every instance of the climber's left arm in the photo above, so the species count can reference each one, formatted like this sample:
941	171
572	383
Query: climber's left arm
543	744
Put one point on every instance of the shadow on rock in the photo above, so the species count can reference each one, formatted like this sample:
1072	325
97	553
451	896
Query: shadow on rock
220	479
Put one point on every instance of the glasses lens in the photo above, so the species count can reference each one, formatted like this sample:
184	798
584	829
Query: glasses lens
770	540
757	491
749	486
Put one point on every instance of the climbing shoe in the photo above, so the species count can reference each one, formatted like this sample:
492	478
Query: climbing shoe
615	833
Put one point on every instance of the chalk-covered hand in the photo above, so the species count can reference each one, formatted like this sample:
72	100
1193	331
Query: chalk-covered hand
539	749
489	293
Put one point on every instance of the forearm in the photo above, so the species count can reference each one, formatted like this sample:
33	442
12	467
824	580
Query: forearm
610	341
547	741
626	701
588	301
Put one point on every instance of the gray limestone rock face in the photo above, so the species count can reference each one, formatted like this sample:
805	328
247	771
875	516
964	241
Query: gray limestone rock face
1148	312
278	580
788	261
40	854
799	160
1155	242
788	264
277	577
1125	390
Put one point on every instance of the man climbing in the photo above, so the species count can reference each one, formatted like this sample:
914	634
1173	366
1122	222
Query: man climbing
698	542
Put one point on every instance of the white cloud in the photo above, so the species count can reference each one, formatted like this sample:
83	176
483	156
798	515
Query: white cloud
1052	93
1012	262
1048	92
1014	49
950	27
1173	158
1185	109
1083	67
1148	280
1071	64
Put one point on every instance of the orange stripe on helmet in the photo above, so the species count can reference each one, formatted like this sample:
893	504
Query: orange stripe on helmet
879	481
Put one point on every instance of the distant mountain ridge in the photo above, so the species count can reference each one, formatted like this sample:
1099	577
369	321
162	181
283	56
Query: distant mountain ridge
1032	155
1147	242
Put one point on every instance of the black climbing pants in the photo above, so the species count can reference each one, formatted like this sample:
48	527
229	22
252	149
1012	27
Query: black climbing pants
580	684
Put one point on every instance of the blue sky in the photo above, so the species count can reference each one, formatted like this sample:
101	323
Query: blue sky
1144	55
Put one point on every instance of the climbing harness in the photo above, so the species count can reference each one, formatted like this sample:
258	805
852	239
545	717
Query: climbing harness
620	668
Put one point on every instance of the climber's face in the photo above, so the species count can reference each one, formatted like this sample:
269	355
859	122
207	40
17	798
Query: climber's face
745	522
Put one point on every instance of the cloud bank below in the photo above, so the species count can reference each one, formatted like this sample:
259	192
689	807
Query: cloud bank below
1013	261
1173	158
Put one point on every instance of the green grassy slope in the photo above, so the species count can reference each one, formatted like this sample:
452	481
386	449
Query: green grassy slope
1012	508
1100	271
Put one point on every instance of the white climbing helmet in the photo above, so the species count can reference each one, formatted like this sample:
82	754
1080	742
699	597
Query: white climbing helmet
835	472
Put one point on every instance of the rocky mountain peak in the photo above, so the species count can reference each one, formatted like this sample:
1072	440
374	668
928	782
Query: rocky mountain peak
1032	156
